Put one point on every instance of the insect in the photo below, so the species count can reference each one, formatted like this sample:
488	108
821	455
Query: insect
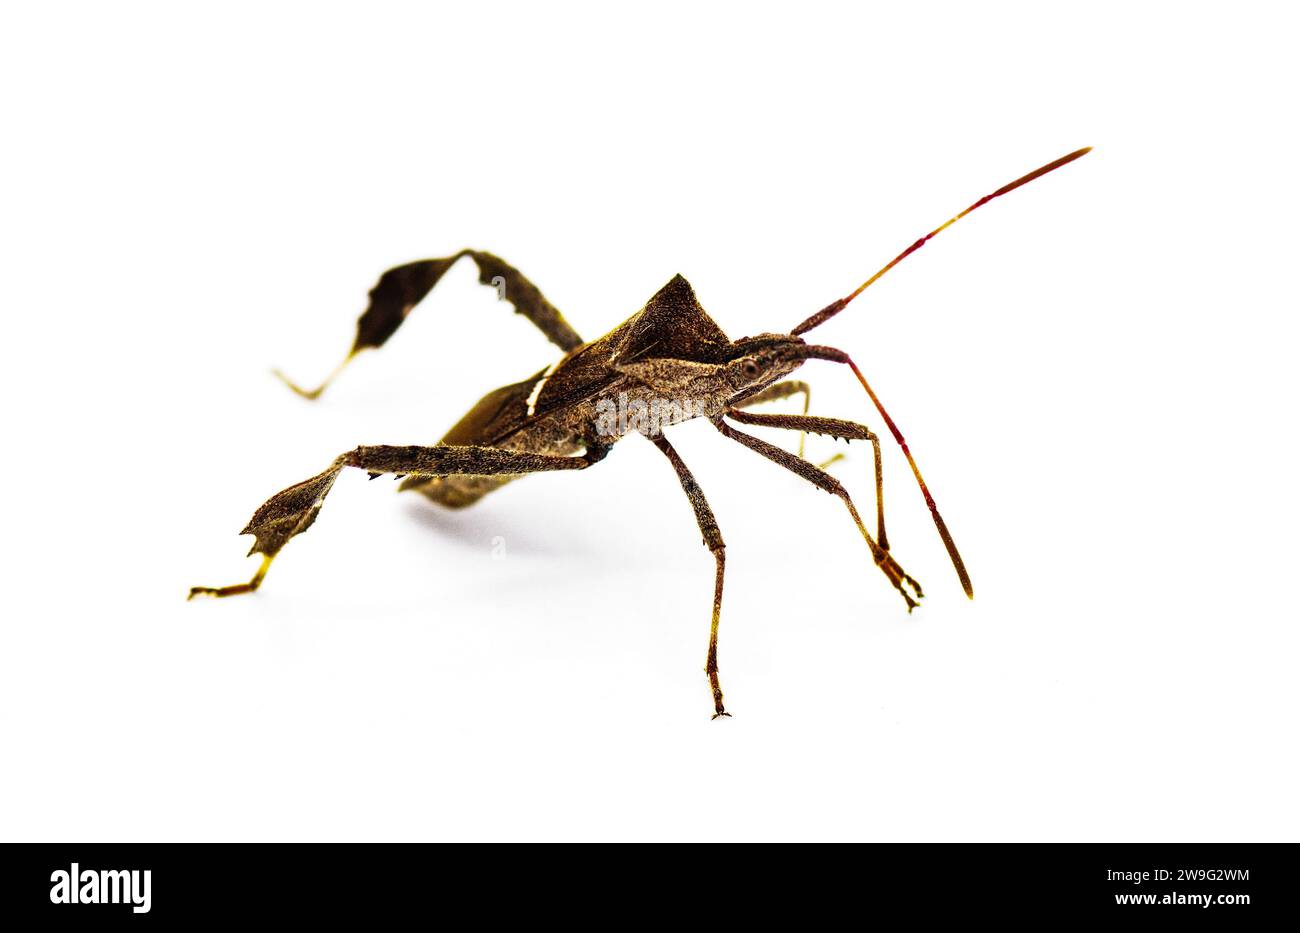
665	364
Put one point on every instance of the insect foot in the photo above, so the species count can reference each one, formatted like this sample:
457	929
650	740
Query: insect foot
903	582
235	589
711	670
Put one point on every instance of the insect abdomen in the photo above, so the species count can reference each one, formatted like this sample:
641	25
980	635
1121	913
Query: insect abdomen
495	414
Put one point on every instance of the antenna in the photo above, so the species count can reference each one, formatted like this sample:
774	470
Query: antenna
835	307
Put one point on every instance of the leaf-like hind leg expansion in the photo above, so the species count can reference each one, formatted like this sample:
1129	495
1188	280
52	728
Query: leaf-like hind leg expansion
401	288
286	514
292	511
713	541
906	585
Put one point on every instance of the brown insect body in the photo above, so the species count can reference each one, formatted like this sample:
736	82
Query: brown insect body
665	364
669	350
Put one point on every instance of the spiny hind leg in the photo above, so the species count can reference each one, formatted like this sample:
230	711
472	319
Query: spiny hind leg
906	585
713	541
401	288
292	511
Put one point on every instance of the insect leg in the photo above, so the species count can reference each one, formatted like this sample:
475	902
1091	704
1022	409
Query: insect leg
830	427
713	541
401	288
292	511
778	391
905	584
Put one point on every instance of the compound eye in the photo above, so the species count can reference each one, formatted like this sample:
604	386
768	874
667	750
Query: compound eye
749	367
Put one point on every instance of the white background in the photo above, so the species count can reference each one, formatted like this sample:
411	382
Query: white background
1096	374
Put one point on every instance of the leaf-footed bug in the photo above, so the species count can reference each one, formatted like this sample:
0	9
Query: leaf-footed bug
667	363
